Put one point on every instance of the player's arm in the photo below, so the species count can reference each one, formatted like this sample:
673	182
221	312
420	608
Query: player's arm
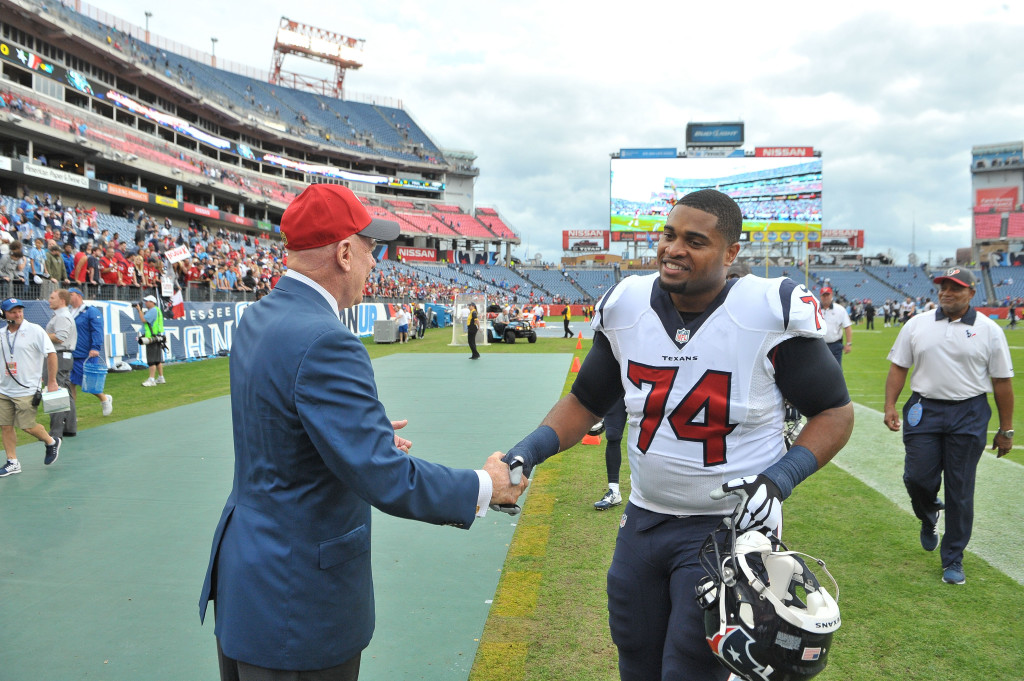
597	387
810	378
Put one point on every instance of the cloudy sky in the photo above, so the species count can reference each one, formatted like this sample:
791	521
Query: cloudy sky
894	94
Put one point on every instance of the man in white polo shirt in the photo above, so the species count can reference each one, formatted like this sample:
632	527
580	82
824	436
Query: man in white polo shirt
837	325
24	348
958	357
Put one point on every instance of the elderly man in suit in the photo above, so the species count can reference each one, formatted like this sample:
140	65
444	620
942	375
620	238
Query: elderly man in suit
314	450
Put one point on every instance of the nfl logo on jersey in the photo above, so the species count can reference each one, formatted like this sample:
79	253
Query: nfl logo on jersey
682	335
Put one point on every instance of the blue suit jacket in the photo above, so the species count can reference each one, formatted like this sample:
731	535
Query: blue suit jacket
314	449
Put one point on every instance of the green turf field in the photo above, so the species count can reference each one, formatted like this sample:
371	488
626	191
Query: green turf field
549	619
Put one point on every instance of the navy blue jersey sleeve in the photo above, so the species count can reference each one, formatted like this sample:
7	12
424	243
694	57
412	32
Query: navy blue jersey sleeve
808	375
598	385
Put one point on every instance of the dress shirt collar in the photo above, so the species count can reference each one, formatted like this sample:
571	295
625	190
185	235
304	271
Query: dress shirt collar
331	300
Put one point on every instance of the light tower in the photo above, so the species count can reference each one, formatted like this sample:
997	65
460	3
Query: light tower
315	44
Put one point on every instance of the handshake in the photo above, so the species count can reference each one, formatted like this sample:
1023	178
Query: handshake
507	483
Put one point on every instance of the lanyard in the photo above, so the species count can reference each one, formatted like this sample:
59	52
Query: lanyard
11	340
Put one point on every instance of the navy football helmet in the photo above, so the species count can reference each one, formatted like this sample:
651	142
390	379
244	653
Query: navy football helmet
766	616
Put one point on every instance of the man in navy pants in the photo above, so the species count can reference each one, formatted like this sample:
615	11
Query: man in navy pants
959	357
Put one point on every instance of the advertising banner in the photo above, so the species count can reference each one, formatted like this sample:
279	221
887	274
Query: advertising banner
779	152
406	253
997	199
54	175
205	330
714	134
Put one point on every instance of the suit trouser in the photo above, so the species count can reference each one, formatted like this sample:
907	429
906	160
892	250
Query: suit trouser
64	421
944	448
233	670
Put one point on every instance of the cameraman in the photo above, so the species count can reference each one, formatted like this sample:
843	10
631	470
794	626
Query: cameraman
153	325
23	347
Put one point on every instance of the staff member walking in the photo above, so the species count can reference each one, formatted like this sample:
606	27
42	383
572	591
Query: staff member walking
63	333
837	325
958	357
25	348
472	325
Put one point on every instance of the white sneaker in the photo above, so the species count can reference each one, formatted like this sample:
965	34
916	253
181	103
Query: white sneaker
160	380
108	405
10	468
609	499
148	383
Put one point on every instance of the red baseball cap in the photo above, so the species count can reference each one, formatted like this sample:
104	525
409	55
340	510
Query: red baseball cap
826	289
327	213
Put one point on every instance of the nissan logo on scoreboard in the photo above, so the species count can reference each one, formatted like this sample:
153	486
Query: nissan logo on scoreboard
784	152
586	235
417	254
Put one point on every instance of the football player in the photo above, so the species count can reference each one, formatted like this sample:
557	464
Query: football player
704	366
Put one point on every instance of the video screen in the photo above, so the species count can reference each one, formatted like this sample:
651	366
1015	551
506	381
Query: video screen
775	194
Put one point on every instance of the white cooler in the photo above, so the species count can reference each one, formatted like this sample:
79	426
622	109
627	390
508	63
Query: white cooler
57	401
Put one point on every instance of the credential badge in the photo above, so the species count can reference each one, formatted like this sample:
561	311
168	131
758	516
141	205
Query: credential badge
682	335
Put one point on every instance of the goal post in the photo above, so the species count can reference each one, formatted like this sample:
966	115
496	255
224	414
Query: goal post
460	317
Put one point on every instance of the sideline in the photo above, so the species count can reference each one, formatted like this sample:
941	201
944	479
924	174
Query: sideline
874	456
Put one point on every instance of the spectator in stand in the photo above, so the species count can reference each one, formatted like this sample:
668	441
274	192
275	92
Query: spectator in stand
57	275
93	266
63	333
108	267
69	258
89	344
17	387
12	265
37	262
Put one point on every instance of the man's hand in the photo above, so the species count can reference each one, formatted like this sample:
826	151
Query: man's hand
94	353
892	419
51	386
507	483
760	504
401	442
1003	444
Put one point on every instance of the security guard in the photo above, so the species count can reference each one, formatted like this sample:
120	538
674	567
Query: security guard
959	356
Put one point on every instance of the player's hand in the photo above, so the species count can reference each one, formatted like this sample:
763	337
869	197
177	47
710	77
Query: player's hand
401	442
892	419
760	506
514	461
507	482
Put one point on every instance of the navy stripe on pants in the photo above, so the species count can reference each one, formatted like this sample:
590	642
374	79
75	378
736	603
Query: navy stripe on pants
944	448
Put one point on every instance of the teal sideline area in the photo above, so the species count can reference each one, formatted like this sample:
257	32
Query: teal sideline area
105	550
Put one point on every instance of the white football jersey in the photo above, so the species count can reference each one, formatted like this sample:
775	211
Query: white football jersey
701	397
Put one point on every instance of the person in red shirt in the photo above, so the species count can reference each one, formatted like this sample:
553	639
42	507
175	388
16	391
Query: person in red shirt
108	268
80	271
125	272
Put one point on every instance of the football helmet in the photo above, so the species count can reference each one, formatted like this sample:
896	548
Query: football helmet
766	616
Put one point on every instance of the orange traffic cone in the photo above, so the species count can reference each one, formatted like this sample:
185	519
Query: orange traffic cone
591	439
575	368
579	342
